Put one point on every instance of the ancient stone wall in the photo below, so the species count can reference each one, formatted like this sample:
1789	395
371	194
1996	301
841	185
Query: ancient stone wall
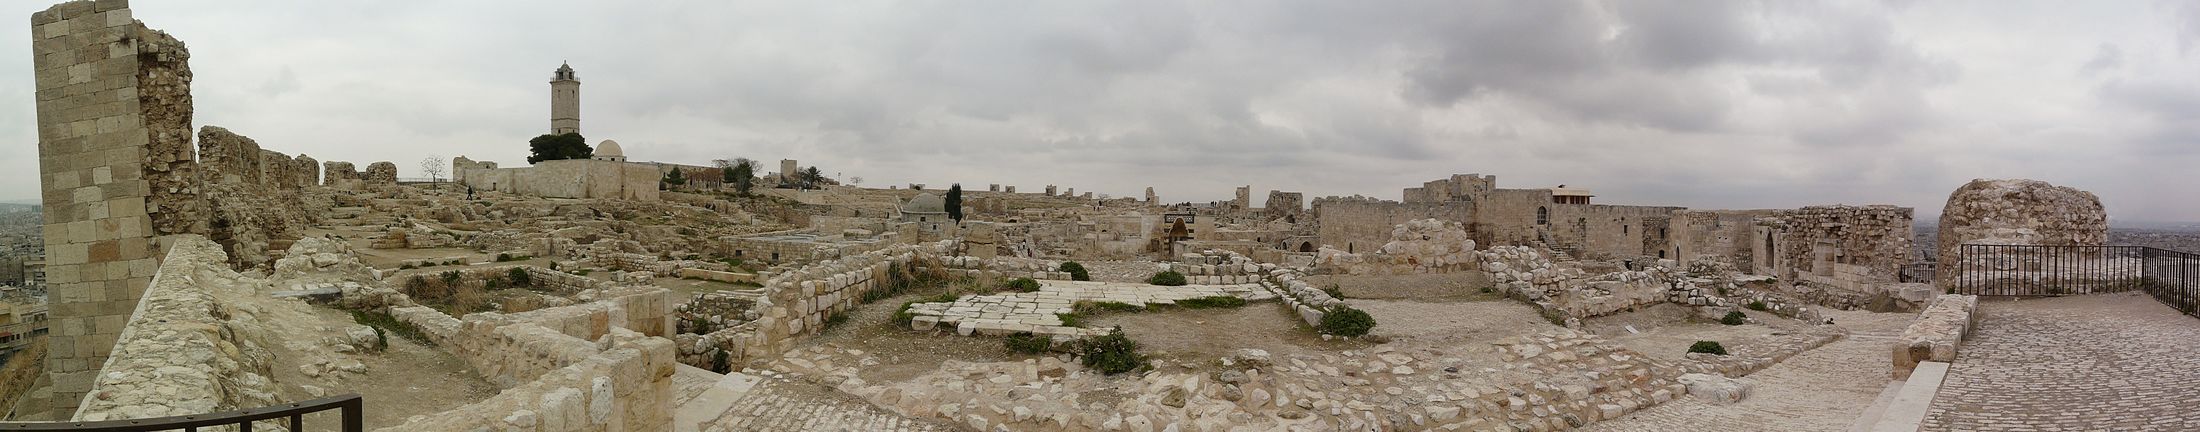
380	173
116	171
2016	212
229	158
1416	246
1936	333
1847	247
178	353
337	173
1285	205
796	302
1598	231
306	170
624	385
574	178
1359	224
1721	236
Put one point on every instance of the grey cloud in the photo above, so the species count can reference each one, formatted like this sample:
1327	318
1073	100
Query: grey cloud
2106	57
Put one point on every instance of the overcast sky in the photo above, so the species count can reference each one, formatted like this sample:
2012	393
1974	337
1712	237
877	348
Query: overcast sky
1704	104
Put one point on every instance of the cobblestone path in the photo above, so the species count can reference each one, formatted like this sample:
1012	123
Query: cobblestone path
2099	362
1824	389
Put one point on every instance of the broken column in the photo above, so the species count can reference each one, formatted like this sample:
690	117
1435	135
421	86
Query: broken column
116	173
2017	212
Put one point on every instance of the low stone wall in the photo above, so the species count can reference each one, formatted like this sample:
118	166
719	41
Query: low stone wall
796	302
176	355
1936	333
717	276
1310	302
1565	291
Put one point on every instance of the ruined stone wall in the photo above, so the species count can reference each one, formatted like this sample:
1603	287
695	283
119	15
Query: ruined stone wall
229	158
1848	247
1507	217
380	173
278	171
1285	205
1415	247
179	353
460	165
1722	236
1360	224
2015	212
796	302
115	169
307	170
1598	231
1456	188
337	173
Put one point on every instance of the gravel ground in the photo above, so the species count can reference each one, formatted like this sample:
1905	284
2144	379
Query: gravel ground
1824	389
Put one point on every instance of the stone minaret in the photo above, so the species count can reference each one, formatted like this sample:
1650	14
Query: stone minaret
565	101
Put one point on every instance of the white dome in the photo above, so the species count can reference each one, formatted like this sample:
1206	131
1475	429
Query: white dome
925	203
609	148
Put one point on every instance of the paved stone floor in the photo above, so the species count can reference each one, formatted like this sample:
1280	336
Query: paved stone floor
1824	389
769	402
2098	362
1037	311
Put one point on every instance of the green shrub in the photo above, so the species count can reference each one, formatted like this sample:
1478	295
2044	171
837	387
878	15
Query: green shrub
720	362
1346	321
1334	291
1756	306
520	277
1024	285
1076	271
405	266
1734	318
1069	319
384	322
1221	301
834	320
1708	347
1111	354
452	277
1028	343
504	257
1167	278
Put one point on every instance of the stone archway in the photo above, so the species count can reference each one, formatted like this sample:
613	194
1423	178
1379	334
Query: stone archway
1306	246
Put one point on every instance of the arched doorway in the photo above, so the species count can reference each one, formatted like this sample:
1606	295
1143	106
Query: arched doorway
1306	246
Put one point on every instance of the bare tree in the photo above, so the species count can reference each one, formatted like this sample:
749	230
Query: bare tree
434	167
855	181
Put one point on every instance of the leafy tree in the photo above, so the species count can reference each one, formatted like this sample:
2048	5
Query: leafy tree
558	147
955	202
675	178
813	177
739	172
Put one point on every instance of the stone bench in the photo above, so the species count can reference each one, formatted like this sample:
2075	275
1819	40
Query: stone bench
1935	334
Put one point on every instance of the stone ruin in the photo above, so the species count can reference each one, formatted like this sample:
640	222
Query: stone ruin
1417	246
380	173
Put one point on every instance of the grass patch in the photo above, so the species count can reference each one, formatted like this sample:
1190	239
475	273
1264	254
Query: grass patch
1734	318
383	322
1069	320
1211	302
1076	271
1022	285
1334	291
1756	306
903	317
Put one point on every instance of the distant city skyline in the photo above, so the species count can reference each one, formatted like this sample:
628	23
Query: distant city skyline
1707	105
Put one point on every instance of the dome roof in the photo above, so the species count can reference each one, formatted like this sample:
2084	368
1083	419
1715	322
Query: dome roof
609	148
925	203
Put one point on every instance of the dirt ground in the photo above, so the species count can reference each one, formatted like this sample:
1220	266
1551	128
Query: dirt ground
1453	320
903	353
1460	284
406	380
1665	331
1199	337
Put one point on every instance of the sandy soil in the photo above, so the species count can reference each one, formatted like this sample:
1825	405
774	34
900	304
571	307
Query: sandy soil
1665	331
1451	321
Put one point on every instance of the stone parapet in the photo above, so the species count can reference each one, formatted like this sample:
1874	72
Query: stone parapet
176	356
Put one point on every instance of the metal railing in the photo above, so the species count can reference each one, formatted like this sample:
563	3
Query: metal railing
2172	277
353	411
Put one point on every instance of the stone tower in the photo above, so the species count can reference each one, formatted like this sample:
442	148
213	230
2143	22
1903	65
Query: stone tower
565	101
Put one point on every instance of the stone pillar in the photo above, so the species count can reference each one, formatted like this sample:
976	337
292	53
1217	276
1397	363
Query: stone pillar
116	171
309	170
1150	198
1008	189
1050	190
787	169
1244	197
996	187
380	173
